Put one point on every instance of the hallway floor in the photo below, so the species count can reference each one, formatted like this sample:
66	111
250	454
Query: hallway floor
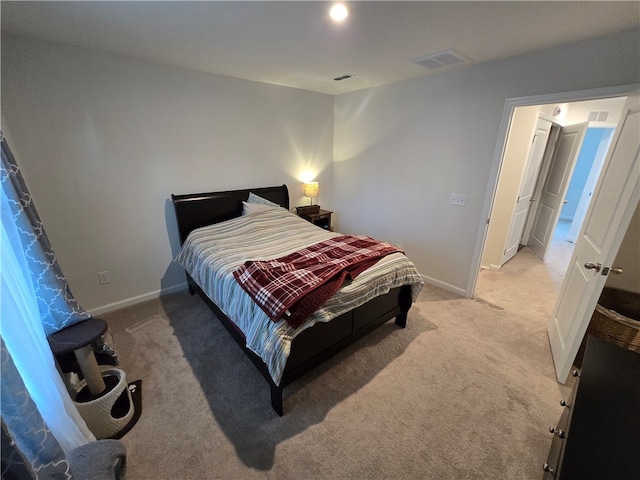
526	283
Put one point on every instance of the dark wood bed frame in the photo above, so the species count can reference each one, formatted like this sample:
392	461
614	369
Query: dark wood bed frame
314	345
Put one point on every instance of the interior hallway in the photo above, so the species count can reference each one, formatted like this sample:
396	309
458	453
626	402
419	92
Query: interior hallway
525	283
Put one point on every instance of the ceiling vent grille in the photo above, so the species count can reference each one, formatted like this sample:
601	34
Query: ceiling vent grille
599	116
445	58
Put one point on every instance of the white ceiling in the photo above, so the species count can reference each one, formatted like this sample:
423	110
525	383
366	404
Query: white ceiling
294	43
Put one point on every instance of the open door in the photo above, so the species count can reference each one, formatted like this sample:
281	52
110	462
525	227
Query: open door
527	186
555	187
614	200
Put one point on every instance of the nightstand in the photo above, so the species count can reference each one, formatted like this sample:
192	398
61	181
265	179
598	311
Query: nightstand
322	219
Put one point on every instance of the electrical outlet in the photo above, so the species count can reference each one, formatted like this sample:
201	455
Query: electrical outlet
458	199
103	278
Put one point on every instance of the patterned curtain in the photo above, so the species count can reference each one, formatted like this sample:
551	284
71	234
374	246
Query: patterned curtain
58	308
35	302
29	446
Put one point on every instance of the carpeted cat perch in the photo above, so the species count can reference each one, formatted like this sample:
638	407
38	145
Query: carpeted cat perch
107	403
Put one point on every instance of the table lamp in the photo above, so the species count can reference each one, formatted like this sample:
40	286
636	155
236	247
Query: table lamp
311	190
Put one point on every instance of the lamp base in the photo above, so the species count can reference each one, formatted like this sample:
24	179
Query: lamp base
307	209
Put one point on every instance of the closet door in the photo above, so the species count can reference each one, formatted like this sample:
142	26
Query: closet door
555	187
527	187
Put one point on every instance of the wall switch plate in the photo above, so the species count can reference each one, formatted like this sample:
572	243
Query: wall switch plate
103	278
458	199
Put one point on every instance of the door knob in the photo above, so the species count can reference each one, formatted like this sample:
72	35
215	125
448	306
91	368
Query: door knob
614	270
593	266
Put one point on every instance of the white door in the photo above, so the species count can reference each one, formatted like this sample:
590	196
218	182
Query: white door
555	187
615	198
527	186
544	170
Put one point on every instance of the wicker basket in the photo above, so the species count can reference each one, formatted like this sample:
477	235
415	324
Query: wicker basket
308	209
613	327
100	413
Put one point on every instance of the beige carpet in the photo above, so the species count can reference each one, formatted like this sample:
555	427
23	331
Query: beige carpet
527	281
466	391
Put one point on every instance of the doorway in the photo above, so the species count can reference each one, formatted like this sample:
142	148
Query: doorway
520	142
612	209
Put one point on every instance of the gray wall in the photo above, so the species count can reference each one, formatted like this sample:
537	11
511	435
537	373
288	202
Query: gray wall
628	257
402	149
104	140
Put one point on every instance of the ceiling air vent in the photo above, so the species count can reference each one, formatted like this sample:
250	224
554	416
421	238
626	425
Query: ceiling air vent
440	59
343	77
599	116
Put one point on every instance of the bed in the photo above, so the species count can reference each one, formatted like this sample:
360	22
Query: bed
213	228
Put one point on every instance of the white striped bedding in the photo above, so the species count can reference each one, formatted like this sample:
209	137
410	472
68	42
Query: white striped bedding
211	254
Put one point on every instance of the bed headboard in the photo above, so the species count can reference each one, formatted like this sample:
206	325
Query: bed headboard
197	210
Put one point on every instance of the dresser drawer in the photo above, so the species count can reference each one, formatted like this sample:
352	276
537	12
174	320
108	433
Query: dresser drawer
560	434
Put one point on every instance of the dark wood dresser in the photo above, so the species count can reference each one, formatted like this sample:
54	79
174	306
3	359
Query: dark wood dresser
598	435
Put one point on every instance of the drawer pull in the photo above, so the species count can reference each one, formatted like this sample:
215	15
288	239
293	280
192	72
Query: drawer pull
564	404
560	433
575	373
547	468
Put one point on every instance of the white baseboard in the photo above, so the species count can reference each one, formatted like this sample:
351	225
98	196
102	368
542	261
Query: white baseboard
96	312
444	286
492	267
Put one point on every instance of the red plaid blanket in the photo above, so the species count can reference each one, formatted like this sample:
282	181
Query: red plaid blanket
296	285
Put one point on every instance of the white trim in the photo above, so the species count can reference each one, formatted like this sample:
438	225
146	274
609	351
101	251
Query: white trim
183	286
445	286
547	117
575	96
509	106
137	299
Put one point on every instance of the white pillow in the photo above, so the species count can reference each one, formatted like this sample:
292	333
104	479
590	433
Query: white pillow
255	199
248	208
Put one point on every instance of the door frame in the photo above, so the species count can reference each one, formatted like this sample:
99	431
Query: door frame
510	105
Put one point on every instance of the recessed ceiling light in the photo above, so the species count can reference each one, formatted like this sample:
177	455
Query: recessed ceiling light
338	12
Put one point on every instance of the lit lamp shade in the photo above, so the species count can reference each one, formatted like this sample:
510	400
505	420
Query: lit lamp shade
311	189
